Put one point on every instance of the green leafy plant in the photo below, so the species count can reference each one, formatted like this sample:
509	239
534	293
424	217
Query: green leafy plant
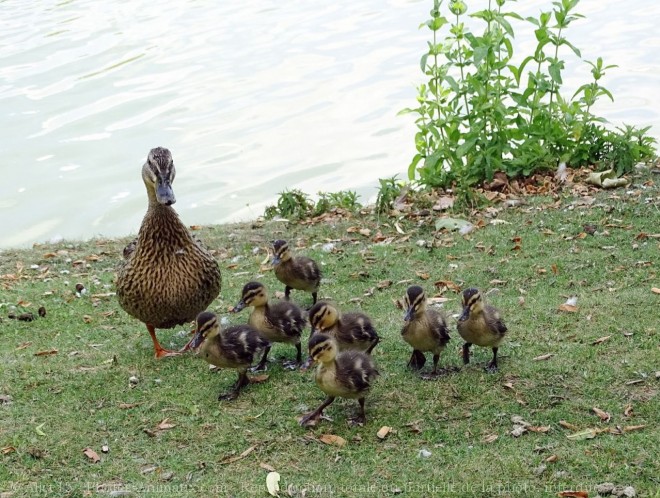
388	191
479	112
344	199
291	204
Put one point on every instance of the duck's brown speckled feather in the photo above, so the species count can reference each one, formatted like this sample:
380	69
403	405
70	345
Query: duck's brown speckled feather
167	277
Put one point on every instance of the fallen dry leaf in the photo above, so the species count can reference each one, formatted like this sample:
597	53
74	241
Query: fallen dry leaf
539	428
383	432
127	406
423	275
272	483
542	357
258	379
554	268
569	308
655	290
46	352
384	284
628	410
92	455
604	416
443	285
23	345
601	340
490	438
267	467
365	231
589	433
568	425
332	439
165	425
7	450
552	458
629	428
236	458
574	494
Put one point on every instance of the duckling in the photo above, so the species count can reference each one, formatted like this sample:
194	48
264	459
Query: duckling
233	347
278	321
480	324
352	331
167	277
345	375
425	329
297	272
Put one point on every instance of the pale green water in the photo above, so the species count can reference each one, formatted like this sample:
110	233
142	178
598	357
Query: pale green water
251	97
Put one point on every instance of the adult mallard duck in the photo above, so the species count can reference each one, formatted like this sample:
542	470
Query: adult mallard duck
232	347
425	329
278	321
295	272
167	277
345	375
480	324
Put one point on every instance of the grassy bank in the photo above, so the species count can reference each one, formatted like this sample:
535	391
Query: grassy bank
65	382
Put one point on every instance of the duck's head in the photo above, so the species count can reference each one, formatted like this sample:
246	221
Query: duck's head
280	252
414	301
472	303
322	348
158	174
206	325
253	294
322	316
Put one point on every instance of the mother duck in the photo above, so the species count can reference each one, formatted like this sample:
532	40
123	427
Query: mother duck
167	277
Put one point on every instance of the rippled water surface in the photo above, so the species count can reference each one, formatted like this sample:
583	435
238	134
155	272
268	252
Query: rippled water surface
252	97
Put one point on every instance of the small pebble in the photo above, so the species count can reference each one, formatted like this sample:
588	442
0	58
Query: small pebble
133	381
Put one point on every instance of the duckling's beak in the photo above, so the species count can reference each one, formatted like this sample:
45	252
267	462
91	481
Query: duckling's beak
240	306
164	193
276	260
465	315
409	315
196	341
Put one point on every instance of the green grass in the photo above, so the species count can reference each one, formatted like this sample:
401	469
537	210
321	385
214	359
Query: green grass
71	400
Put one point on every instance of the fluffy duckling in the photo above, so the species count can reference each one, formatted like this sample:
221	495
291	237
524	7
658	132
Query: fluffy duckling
480	324
278	321
295	272
345	375
425	329
232	347
167	277
352	331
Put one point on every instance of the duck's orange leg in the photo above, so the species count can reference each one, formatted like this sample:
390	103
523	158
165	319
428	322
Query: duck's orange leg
158	349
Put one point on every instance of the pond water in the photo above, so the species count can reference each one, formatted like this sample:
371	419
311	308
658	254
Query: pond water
251	97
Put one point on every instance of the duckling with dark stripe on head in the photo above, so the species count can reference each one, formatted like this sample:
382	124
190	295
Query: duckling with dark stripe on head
425	330
232	347
480	324
346	375
295	272
277	321
352	331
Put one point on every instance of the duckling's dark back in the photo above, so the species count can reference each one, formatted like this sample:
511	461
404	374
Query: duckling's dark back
287	317
356	370
241	342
